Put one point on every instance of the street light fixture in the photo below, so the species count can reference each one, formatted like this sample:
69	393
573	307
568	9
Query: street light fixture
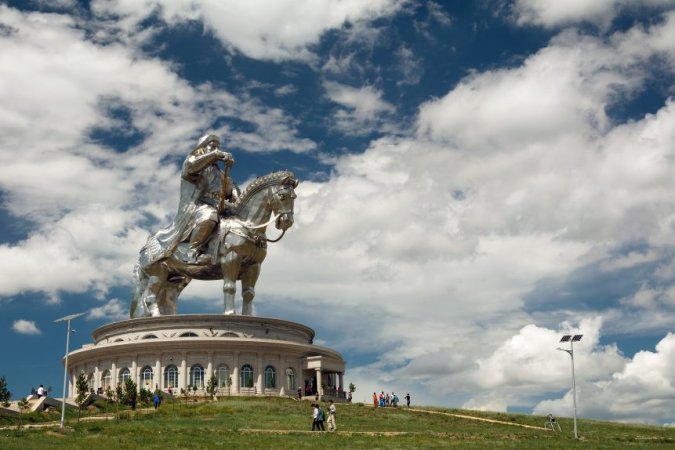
572	339
65	369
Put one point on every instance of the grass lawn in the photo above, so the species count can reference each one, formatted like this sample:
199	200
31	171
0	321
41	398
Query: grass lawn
253	423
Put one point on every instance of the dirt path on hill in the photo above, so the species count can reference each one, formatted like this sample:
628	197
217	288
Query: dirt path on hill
482	419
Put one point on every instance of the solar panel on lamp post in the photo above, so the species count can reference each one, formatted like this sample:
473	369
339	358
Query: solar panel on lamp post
572	339
65	368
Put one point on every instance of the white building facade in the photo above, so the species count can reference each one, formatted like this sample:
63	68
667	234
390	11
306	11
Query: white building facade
248	355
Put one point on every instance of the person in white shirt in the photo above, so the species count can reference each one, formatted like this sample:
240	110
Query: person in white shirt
332	426
40	391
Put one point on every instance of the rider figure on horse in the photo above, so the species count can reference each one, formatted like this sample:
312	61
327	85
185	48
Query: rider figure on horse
203	184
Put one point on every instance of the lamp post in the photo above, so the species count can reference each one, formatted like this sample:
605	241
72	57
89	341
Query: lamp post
572	339
65	369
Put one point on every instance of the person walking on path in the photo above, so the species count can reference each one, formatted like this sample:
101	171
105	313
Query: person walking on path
321	417
407	400
315	417
374	400
332	426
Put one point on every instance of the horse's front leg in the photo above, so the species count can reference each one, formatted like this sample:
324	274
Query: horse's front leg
230	265
248	280
151	296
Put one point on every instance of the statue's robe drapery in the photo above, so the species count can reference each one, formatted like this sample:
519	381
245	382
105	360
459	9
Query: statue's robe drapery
200	187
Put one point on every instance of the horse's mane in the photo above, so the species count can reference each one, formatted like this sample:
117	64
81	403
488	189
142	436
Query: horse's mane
259	184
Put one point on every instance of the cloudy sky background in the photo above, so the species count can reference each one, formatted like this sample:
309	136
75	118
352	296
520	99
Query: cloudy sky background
478	179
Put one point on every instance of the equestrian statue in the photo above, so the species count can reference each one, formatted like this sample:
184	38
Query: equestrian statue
218	233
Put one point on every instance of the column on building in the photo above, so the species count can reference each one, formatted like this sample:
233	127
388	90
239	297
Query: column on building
134	371
342	389
235	373
73	383
97	378
113	374
182	379
158	374
260	370
281	376
319	383
209	370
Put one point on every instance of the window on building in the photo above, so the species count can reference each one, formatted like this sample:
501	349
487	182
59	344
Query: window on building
223	375
171	377
125	374
146	377
149	336
189	334
290	379
270	377
230	334
106	380
197	376
246	377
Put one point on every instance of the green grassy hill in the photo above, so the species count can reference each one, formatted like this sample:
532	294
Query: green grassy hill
285	424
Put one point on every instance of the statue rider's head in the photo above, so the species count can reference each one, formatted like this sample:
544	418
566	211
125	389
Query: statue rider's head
207	143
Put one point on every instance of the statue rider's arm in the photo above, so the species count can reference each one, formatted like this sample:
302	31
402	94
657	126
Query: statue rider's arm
195	164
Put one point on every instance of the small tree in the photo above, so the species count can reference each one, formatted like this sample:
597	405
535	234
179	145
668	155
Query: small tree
194	392
119	398
130	392
185	393
145	396
5	395
212	386
109	394
82	387
352	388
23	406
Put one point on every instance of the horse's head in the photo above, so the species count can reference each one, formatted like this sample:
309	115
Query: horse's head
283	199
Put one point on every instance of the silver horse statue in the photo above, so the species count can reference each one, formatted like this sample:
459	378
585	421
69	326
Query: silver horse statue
239	245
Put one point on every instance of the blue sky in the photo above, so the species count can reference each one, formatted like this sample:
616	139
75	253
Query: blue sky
478	178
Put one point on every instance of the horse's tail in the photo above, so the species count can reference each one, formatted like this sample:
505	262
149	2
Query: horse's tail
140	282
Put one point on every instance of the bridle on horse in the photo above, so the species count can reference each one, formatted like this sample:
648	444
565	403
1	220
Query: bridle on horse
272	220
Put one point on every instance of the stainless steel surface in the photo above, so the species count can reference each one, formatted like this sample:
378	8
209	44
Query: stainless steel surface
204	244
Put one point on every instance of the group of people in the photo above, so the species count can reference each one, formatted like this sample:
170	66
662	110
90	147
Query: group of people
384	400
319	416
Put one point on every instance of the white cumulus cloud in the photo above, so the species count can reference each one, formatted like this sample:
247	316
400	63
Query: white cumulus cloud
22	326
642	391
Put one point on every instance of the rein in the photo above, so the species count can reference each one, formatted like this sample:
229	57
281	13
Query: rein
255	227
249	227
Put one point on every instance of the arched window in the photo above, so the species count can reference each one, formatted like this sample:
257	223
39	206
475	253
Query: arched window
223	375
171	377
125	374
146	377
189	334
246	377
106	380
149	336
197	376
290	379
90	381
270	377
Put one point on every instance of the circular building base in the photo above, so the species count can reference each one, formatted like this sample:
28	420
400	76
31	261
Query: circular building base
247	355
